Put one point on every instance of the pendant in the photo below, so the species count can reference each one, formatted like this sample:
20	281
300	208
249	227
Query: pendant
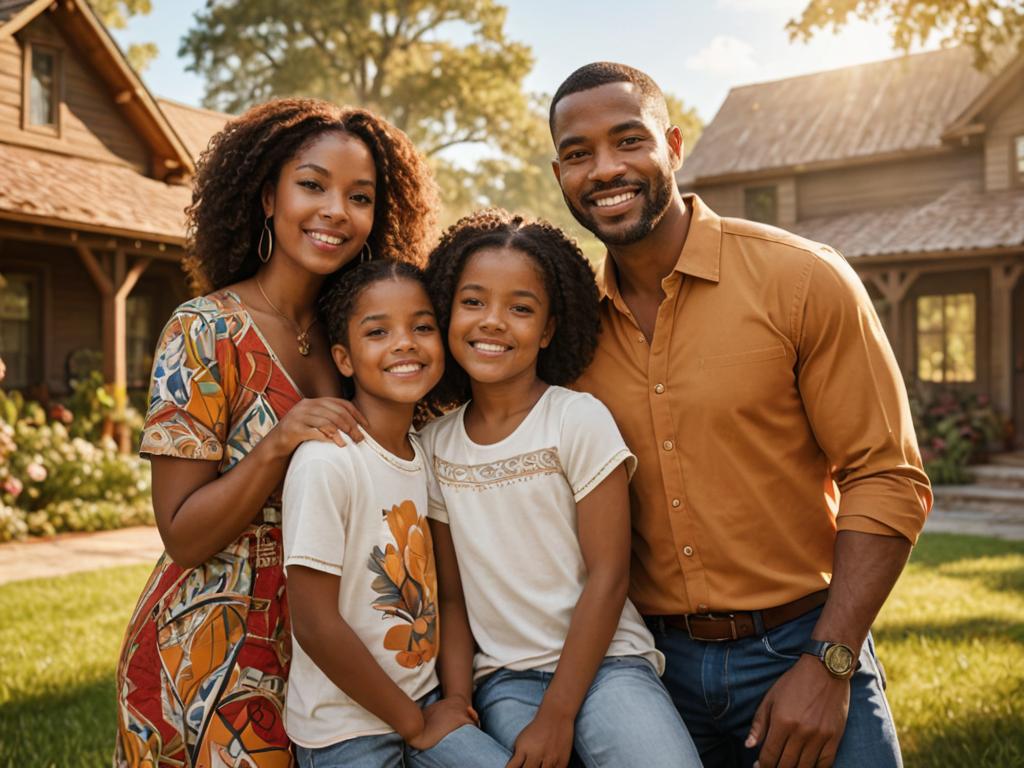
303	339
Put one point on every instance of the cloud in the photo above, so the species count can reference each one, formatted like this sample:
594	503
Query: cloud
725	55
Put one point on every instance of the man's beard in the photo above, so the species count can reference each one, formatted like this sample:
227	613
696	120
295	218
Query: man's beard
653	210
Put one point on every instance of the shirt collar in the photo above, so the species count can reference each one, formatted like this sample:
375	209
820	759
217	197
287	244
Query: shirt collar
700	256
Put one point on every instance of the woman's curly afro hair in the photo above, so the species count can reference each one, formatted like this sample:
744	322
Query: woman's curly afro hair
226	218
568	278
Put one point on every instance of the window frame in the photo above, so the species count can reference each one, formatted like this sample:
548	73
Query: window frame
34	373
1017	159
975	332
748	192
51	129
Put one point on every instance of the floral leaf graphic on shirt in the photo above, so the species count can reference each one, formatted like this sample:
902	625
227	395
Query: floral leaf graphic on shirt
406	584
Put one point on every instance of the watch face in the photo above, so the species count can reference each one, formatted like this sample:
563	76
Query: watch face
838	659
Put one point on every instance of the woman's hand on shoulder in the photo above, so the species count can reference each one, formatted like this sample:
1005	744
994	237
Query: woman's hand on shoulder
317	418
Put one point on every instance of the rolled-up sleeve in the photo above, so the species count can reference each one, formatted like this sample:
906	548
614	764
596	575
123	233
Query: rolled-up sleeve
856	402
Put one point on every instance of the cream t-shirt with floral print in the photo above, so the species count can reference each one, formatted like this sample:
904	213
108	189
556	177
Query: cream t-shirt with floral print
511	509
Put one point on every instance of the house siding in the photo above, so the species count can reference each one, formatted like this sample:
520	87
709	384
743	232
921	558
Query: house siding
1006	124
90	122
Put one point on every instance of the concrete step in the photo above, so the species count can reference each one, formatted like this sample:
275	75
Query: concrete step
979	497
998	475
1010	459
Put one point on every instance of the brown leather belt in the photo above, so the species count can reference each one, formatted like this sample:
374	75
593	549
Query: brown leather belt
717	627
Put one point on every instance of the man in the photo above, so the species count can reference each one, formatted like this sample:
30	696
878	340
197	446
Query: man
780	488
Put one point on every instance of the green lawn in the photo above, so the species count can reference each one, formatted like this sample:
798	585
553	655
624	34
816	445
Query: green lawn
951	638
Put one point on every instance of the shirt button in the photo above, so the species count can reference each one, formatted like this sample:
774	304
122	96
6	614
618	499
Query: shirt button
641	339
667	445
676	502
688	551
659	388
702	608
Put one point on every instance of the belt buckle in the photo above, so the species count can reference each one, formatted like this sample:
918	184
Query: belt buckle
713	617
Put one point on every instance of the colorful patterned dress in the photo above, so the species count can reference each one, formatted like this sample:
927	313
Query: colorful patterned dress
201	676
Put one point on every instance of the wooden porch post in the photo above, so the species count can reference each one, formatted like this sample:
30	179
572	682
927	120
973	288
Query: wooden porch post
893	284
1004	280
114	284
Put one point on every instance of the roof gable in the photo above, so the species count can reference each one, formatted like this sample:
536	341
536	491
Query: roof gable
79	23
883	108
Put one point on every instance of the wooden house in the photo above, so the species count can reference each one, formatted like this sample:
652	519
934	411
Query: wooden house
94	179
914	169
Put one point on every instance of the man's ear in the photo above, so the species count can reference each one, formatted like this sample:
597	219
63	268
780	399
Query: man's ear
557	170
342	360
549	333
267	198
674	137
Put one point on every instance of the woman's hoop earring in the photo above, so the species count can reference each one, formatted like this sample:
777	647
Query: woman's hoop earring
269	236
365	254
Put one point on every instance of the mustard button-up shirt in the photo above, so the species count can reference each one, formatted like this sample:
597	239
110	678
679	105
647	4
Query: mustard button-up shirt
767	412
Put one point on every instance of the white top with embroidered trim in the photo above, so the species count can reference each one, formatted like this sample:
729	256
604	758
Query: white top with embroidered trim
357	512
511	508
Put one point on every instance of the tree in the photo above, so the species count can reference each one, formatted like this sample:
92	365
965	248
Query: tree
396	57
115	14
986	26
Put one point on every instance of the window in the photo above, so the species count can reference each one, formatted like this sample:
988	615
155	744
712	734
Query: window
42	89
1018	157
16	337
140	342
946	328
760	204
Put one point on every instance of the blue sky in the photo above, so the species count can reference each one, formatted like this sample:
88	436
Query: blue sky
695	49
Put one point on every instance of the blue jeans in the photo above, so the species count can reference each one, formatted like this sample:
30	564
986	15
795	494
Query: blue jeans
717	688
627	718
462	747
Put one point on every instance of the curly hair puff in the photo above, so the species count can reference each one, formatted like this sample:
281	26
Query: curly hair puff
225	218
568	279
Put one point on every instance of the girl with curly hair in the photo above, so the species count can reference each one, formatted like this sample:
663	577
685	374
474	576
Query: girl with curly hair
530	511
287	198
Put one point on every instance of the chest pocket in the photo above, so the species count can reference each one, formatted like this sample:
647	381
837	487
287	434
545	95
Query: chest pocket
748	357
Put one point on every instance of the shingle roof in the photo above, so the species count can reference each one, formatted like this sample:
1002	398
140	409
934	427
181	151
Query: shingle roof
873	109
95	194
193	125
961	219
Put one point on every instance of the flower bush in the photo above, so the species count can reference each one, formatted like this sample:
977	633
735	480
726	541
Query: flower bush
53	480
955	428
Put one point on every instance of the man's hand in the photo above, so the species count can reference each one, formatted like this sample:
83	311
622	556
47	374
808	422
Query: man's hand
544	743
801	719
439	719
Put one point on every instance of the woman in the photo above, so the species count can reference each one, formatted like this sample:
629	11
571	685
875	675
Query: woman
285	198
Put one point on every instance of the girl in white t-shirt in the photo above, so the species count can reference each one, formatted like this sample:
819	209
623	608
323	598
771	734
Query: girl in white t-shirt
361	580
530	511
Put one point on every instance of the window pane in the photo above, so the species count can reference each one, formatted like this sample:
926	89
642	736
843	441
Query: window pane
946	329
760	204
1020	155
16	329
42	100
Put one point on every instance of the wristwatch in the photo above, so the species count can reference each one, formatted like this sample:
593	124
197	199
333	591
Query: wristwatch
838	659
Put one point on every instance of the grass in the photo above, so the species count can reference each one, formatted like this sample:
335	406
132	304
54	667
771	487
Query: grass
951	638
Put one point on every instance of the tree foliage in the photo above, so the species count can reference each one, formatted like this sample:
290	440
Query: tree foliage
989	27
115	14
398	57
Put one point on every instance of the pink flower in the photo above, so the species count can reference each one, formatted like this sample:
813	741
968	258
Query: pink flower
36	472
13	486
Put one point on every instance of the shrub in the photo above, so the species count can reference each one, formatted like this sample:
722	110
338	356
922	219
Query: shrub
955	428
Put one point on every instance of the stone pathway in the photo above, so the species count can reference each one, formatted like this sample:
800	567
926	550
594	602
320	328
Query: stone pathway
74	552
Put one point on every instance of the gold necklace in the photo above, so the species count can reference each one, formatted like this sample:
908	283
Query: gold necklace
302	336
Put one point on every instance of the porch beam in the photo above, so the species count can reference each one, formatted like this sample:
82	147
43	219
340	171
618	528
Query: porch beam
894	284
72	238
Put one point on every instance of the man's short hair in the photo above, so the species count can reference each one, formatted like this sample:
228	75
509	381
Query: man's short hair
604	72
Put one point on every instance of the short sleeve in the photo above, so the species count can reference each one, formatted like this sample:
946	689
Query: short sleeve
436	508
314	507
188	415
590	445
